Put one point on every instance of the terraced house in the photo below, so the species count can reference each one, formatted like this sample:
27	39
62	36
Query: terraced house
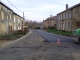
69	19
49	22
9	21
18	22
6	19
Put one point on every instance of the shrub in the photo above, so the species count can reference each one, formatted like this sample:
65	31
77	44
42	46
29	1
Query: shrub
50	27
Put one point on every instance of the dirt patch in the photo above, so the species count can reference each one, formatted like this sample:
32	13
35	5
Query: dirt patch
6	39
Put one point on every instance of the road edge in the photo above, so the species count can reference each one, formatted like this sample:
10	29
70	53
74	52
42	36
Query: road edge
16	39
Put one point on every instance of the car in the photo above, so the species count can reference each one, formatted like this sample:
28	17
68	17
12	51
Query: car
76	36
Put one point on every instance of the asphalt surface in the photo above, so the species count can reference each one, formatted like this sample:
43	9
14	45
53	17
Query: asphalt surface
52	37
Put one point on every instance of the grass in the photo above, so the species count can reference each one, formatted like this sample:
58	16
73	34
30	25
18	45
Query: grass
65	33
19	34
14	35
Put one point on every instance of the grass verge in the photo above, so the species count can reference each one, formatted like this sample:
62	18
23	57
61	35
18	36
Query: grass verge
64	33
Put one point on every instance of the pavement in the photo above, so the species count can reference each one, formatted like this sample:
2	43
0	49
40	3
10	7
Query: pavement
53	37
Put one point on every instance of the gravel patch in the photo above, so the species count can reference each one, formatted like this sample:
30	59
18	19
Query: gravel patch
33	47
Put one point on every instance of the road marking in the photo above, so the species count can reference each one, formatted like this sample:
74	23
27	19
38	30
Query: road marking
16	40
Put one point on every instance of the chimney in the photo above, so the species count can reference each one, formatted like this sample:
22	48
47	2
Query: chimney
66	6
50	15
43	20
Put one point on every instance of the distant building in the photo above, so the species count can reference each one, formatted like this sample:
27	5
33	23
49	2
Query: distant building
49	22
69	19
39	25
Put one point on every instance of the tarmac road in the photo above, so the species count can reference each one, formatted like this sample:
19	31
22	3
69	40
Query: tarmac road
52	37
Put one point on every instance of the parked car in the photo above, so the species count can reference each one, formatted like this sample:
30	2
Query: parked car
76	36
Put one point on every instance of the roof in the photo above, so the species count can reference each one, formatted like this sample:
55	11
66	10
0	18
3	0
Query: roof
10	9
70	8
17	15
50	18
5	6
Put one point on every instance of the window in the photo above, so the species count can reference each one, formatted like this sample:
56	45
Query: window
68	25
58	17
2	25
69	14
66	15
59	25
18	21
2	15
18	27
15	28
10	17
14	20
65	24
61	16
7	17
77	24
50	22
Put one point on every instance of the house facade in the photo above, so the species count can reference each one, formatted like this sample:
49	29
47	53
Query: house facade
6	19
15	19
49	22
18	22
69	19
9	21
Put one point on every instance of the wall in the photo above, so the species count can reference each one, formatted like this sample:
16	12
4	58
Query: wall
76	18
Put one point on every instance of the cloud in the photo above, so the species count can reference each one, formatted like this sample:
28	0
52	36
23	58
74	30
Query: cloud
39	9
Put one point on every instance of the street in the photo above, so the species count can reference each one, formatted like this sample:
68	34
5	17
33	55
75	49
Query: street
33	47
52	37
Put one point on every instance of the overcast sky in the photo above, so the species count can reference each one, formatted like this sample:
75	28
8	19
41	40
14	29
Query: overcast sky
37	10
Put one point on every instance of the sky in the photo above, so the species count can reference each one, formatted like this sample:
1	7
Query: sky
39	10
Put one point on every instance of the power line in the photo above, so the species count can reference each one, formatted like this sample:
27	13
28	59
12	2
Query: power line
31	2
14	6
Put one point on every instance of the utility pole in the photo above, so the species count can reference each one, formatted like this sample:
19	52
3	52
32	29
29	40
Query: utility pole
23	22
23	14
